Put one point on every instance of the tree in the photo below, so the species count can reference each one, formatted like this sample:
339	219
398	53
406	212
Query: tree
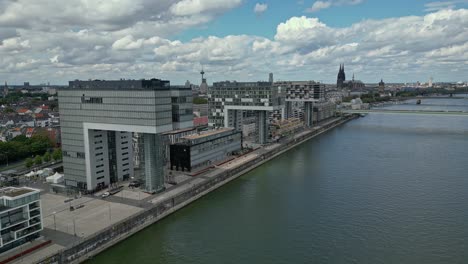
199	100
38	160
9	110
46	157
29	162
57	154
40	143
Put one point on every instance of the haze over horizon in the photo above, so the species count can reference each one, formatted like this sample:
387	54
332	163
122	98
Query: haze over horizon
400	41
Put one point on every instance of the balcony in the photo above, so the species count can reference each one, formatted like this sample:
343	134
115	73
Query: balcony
34	213
33	206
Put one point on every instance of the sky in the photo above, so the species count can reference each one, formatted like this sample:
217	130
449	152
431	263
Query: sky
57	41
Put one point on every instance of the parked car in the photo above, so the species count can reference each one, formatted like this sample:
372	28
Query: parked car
134	184
104	195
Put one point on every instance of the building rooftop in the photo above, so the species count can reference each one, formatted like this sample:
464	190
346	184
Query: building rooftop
152	84
207	133
172	132
13	192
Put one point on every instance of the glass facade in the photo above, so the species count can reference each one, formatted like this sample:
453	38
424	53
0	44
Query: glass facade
20	216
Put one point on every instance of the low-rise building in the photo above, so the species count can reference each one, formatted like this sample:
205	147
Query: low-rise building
249	129
285	127
20	216
205	148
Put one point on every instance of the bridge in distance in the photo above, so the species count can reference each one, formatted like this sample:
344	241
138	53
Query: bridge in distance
406	112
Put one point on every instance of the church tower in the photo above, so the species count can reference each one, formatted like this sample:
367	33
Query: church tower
341	77
5	90
381	86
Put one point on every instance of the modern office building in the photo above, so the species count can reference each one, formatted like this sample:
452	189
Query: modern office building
20	216
307	93
324	110
228	101
98	119
205	148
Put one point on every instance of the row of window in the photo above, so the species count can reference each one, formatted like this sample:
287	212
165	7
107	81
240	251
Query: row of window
91	100
72	154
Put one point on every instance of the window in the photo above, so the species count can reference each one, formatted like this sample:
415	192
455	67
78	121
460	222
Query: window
125	164
101	171
91	100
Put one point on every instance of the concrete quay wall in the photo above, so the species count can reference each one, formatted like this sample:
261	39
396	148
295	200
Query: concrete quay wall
108	237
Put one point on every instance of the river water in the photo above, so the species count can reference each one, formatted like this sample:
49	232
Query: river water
380	189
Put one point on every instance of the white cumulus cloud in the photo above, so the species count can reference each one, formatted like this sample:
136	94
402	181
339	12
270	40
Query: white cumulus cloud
319	5
260	8
57	44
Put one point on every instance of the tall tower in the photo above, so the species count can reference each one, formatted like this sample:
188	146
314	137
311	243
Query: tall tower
270	77
381	86
5	90
203	85
341	77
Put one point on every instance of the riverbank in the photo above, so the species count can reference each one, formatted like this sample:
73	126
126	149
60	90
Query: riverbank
365	192
175	199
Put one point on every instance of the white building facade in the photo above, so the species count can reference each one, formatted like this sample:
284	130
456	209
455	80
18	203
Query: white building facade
20	216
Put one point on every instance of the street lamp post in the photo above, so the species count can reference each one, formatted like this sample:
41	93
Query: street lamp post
74	227
110	218
55	225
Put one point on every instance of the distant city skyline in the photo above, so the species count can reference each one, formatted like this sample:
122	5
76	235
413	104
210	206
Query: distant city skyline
398	41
